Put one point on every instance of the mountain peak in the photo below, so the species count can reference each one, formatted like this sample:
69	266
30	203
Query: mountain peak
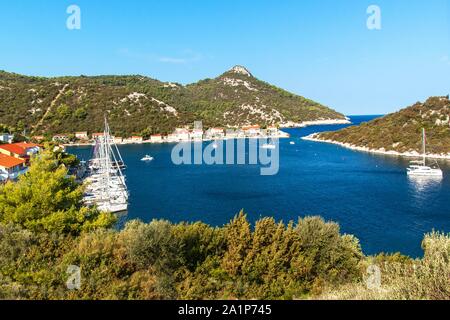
240	70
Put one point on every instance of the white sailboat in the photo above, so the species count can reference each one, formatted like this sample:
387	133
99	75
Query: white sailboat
420	168
269	146
147	158
106	187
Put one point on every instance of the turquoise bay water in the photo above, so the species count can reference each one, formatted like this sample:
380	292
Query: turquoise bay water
370	196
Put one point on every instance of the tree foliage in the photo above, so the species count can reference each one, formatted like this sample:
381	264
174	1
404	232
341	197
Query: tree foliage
47	199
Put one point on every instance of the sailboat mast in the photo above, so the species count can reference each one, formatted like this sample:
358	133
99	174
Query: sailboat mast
424	145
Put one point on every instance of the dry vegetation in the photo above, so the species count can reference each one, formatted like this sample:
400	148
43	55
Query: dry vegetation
402	131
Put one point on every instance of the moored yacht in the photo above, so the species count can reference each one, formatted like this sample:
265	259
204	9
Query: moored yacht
106	188
147	158
420	168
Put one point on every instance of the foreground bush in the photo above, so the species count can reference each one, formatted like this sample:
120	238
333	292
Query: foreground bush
426	278
161	260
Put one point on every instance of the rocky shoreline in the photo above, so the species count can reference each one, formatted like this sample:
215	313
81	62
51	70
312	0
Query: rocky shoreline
411	154
315	123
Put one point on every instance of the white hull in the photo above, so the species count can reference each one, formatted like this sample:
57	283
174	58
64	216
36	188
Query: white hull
426	173
106	187
420	168
113	208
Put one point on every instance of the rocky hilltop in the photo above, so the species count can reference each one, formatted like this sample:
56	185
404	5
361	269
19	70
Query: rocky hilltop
136	104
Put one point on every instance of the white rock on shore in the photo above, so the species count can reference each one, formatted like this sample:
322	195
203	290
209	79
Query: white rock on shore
411	154
303	124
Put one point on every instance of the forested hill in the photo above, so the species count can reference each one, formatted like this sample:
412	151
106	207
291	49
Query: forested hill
402	131
137	104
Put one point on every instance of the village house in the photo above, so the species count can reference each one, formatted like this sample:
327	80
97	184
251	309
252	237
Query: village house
196	134
172	137
234	134
97	135
63	138
11	167
156	138
117	140
20	150
6	138
215	133
82	136
30	148
137	139
38	138
182	134
272	131
252	131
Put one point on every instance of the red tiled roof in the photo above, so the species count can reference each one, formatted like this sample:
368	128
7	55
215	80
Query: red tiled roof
13	148
26	145
9	162
251	127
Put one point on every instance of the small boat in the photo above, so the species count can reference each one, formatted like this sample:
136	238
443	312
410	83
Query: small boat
268	146
420	168
292	142
147	158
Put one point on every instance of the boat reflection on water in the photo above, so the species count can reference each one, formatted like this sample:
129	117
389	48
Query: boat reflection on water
423	188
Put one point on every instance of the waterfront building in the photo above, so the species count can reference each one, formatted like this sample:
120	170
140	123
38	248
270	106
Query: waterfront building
156	138
215	133
137	139
82	136
97	135
63	138
11	167
172	137
196	134
252	131
117	140
182	134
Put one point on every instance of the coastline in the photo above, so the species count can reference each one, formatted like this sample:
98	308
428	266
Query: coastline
412	154
280	136
284	135
325	122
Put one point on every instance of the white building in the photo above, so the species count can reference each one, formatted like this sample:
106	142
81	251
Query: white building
6	137
156	138
81	135
182	134
252	131
117	140
61	138
172	137
215	133
137	139
197	134
11	167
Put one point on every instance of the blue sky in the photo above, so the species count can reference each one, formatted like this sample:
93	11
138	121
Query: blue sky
320	49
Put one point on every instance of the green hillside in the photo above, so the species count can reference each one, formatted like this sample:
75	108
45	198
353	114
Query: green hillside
136	104
402	131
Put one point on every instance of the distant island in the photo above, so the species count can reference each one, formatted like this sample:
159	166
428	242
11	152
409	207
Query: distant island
138	105
399	133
